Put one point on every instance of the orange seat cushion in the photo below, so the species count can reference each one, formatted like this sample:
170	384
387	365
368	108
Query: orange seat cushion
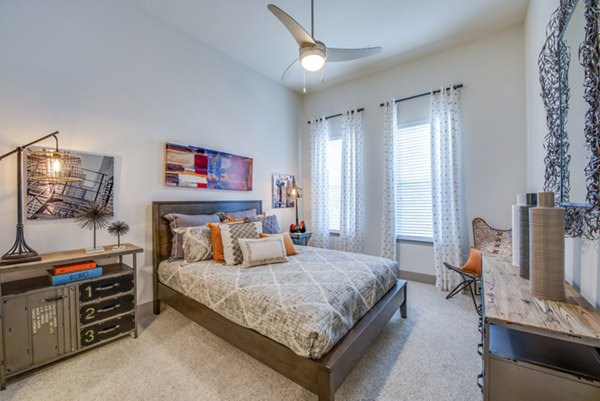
473	265
287	241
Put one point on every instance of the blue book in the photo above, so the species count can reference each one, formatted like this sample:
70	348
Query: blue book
75	276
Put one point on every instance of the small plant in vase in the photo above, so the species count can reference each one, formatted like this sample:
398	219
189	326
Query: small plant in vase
91	216
118	228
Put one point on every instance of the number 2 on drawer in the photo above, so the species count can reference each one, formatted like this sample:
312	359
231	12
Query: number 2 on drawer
90	313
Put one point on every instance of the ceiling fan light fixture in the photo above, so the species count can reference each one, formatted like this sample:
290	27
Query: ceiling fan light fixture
312	57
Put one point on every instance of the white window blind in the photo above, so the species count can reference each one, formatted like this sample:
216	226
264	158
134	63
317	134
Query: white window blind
334	166
412	144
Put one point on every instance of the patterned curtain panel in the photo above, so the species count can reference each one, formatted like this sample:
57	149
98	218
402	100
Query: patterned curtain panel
319	185
445	183
352	220
388	223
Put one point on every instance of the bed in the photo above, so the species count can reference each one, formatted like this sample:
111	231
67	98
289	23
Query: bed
321	366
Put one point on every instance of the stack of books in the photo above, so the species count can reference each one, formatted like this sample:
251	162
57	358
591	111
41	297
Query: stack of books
63	274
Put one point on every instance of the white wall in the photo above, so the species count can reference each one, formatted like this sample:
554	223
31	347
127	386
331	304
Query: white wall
493	140
116	80
582	258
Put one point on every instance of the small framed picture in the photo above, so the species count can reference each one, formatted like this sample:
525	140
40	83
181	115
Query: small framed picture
281	197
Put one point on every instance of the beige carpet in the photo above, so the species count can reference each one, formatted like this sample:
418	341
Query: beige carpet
429	356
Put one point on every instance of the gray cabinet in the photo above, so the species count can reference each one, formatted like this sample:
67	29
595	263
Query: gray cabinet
40	323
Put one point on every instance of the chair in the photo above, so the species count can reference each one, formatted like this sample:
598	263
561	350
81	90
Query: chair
487	240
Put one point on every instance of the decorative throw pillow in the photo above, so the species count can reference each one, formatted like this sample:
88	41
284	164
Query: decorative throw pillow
217	243
264	251
242	214
270	224
177	220
290	250
473	264
197	243
230	233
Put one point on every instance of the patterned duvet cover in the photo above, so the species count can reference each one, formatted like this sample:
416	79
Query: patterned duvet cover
307	304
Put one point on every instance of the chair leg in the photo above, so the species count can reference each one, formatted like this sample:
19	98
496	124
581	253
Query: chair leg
473	295
457	289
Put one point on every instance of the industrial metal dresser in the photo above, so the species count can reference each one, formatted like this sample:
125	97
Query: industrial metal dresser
41	323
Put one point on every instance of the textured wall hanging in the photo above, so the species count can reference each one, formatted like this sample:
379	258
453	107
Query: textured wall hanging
193	167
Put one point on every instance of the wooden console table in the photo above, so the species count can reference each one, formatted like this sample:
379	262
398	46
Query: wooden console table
41	323
535	349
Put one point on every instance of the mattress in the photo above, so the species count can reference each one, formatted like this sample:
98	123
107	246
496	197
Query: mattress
307	304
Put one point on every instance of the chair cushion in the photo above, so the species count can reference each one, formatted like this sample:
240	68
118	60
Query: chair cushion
473	264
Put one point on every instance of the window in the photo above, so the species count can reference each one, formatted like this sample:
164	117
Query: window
414	219
334	166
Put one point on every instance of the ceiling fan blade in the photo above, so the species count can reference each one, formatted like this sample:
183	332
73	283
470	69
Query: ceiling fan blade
292	25
334	54
289	68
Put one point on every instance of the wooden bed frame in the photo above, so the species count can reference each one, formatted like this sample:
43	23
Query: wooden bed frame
323	376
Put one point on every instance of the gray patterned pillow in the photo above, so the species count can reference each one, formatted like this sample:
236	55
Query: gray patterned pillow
177	220
263	251
197	243
230	233
270	224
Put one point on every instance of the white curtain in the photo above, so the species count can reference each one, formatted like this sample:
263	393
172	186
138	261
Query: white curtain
319	134
445	184
352	230
388	223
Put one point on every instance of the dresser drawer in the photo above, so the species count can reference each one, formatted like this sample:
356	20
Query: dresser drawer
105	287
95	333
106	308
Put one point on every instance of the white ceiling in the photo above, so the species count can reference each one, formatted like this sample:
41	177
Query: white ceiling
248	32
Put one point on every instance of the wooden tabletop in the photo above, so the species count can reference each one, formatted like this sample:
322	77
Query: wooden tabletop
508	302
71	256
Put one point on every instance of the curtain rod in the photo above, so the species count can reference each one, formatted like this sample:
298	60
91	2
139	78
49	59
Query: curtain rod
339	114
421	95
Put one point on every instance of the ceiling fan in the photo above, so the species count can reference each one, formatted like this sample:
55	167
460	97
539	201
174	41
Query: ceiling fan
314	53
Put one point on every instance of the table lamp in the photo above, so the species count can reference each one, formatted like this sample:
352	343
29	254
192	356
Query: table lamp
295	192
51	166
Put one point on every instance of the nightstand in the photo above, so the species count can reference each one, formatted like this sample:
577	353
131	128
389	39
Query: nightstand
301	238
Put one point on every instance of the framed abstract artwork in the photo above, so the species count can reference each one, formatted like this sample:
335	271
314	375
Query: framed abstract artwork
50	201
281	197
194	167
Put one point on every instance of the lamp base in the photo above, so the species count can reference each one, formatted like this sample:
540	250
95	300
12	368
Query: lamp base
13	259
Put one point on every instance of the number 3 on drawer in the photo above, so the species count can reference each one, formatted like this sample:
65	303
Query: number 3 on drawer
89	336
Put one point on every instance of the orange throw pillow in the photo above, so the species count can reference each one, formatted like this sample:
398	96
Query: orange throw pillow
287	241
217	242
473	265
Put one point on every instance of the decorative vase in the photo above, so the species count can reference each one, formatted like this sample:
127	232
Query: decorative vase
547	246
531	201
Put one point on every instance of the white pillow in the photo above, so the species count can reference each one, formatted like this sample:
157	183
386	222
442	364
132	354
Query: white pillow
231	233
197	243
262	251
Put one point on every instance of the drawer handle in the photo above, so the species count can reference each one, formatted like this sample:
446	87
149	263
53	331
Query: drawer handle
480	348
54	299
108	287
108	330
107	309
480	381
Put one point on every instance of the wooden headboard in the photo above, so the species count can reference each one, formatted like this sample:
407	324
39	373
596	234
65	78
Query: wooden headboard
161	232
